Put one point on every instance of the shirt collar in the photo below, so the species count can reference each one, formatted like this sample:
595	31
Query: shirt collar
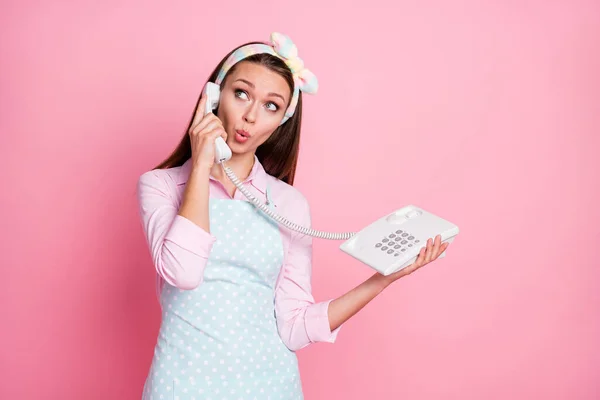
257	177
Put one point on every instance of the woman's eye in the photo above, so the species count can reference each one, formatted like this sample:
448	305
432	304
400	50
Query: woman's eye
241	94
272	106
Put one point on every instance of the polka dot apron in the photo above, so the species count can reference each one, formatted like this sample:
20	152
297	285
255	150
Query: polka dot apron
220	340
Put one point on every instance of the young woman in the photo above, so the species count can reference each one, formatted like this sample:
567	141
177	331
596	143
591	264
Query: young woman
234	286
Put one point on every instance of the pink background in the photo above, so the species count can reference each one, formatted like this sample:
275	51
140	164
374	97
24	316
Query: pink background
486	113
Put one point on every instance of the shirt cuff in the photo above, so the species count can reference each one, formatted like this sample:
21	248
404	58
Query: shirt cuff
190	236
317	323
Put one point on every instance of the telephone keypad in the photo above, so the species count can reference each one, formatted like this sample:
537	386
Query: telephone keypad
397	242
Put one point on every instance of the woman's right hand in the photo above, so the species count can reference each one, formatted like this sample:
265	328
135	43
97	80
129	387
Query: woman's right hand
203	132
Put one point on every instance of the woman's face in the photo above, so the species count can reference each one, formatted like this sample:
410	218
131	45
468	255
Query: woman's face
252	104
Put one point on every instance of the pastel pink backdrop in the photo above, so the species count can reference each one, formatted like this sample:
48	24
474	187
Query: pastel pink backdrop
486	113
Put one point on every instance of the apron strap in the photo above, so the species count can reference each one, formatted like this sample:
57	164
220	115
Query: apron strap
269	200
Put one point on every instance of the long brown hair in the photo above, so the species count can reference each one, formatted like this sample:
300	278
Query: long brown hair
279	153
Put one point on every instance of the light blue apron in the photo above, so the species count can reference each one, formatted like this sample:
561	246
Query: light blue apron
220	340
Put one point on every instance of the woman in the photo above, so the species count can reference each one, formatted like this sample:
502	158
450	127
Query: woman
234	286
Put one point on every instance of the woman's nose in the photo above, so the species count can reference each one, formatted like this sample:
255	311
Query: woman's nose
250	115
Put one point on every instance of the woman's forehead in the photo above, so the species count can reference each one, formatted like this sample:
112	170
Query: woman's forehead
261	77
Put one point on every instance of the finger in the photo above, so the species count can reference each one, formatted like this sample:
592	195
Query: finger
443	248
199	110
421	257
213	135
208	124
428	251
207	139
436	247
208	118
220	130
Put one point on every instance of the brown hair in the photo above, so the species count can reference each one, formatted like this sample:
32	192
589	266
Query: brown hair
279	153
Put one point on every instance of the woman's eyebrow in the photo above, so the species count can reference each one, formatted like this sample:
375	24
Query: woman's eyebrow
252	86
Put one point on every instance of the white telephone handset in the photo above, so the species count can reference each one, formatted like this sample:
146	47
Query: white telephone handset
387	245
222	151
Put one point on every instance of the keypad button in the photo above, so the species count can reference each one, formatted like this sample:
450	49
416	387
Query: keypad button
397	246
404	242
404	234
378	245
399	231
385	240
390	251
384	248
392	236
396	255
411	237
397	238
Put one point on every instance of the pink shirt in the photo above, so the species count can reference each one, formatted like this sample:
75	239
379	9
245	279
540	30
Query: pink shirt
180	248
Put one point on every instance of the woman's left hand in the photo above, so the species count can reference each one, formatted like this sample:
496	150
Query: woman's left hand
429	253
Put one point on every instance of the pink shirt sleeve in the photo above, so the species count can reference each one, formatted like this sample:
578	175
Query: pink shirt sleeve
300	320
179	248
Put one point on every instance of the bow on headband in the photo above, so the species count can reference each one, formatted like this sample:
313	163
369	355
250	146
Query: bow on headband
287	50
283	48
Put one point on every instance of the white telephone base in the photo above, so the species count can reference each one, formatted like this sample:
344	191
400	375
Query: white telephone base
393	242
